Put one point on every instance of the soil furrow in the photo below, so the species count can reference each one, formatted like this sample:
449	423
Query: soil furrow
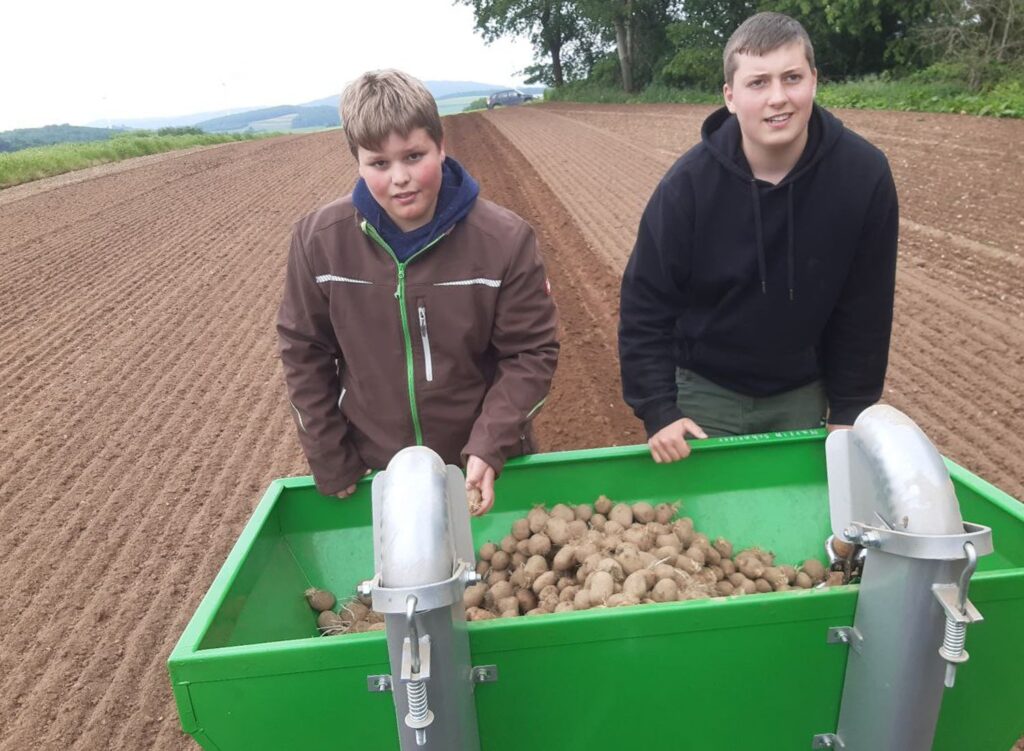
144	408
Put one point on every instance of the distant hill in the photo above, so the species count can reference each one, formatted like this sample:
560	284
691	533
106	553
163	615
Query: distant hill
174	121
285	117
24	138
441	90
293	117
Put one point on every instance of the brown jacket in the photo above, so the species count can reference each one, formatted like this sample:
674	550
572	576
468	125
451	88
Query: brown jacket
453	349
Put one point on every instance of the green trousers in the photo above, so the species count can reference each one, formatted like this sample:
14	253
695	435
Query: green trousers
722	412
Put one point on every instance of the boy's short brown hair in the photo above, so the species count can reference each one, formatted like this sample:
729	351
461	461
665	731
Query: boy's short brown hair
762	33
381	102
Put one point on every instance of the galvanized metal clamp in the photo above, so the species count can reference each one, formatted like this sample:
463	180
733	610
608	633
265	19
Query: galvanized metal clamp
925	547
428	596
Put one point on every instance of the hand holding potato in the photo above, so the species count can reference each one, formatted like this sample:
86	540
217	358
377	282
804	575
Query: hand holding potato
479	485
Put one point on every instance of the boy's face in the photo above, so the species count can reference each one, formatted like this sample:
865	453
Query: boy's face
404	176
772	97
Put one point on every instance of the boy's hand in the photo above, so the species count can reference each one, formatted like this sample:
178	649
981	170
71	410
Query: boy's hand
480	477
351	488
669	444
831	427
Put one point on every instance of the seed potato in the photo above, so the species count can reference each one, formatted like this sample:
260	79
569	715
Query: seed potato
643	512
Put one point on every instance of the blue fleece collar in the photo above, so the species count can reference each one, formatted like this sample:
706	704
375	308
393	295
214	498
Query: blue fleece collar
458	193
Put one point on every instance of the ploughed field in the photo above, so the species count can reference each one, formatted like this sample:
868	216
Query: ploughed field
143	405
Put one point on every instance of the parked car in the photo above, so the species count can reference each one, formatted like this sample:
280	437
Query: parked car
507	98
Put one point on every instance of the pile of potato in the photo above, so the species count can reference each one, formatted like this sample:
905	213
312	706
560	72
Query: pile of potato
615	554
353	617
597	555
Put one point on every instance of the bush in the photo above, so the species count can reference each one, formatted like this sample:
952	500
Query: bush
927	91
584	91
181	131
1004	99
476	104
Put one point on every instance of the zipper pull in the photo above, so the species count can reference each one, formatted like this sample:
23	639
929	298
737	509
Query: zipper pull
423	318
401	279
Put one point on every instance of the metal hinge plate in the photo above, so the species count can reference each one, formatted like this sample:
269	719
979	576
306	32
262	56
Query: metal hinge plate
378	683
846	635
485	674
827	740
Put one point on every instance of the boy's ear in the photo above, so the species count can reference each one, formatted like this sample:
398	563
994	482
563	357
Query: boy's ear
441	148
727	95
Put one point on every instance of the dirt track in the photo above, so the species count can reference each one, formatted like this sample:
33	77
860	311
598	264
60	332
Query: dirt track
143	408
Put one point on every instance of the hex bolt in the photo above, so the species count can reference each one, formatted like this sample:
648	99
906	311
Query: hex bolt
871	540
852	533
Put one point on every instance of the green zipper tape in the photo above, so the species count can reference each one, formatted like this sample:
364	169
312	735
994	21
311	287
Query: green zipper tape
371	232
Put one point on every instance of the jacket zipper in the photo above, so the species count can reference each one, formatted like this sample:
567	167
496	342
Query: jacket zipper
371	231
427	364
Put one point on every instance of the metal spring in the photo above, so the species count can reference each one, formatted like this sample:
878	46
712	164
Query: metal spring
417	693
953	641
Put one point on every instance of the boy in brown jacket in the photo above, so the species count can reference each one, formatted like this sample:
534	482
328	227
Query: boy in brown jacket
414	312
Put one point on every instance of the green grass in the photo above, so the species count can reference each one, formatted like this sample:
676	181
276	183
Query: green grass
583	91
45	161
1005	99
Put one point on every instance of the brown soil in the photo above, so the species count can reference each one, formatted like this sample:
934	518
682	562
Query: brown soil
143	409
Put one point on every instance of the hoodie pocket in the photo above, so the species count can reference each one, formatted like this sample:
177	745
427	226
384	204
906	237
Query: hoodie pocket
428	364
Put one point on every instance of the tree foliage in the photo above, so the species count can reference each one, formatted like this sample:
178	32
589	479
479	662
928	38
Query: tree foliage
559	34
638	30
25	138
984	38
632	43
698	39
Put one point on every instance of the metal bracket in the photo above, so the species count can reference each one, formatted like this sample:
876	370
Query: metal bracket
424	659
845	635
485	673
378	684
428	597
827	740
924	547
948	596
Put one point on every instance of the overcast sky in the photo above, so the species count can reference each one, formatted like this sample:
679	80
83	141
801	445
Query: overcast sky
77	62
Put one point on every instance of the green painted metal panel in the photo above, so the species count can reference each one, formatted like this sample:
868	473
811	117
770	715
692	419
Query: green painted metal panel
249	672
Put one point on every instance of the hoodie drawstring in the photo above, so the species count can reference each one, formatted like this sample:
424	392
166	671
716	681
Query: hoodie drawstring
789	229
755	197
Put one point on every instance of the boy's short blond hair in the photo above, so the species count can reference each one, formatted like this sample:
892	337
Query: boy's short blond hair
381	102
762	33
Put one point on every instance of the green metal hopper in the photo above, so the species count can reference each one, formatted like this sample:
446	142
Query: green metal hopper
250	671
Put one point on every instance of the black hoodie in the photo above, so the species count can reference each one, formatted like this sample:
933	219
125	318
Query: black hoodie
763	288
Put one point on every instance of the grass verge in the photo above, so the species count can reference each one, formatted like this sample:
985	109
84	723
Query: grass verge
1005	99
45	161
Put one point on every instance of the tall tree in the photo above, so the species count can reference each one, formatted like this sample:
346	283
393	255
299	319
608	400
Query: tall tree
699	39
550	25
852	37
638	29
980	35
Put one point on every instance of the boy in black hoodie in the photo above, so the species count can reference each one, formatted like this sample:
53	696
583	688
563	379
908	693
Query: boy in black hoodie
759	293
